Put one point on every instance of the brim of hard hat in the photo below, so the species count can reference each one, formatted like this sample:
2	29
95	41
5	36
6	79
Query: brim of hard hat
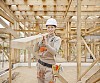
51	25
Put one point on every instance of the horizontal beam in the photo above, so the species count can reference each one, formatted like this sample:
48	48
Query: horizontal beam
8	30
52	8
37	2
36	13
84	13
59	8
26	30
50	2
87	2
39	13
39	8
57	31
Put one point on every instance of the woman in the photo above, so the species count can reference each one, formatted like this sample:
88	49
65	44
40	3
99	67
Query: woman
48	48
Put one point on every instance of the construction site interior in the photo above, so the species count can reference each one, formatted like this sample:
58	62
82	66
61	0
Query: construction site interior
78	27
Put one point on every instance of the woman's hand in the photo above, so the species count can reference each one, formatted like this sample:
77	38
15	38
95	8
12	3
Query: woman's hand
45	40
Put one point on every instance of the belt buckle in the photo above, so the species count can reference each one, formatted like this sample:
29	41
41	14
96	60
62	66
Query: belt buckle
44	64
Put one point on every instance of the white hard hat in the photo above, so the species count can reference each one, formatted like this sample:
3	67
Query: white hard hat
51	21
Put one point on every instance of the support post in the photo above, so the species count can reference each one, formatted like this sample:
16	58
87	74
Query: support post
66	41
10	64
68	35
85	53
29	59
24	55
78	39
30	51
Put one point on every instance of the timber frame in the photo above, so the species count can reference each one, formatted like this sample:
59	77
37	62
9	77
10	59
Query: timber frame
78	25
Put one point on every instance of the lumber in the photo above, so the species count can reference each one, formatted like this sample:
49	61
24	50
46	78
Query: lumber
88	48
3	23
61	78
8	31
94	78
13	77
24	43
89	67
4	15
7	10
78	39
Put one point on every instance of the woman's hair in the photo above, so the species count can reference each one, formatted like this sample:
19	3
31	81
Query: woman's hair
51	25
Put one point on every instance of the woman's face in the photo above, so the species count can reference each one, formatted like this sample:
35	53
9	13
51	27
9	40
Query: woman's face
51	29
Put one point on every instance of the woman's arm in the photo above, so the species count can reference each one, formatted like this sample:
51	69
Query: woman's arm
54	50
36	47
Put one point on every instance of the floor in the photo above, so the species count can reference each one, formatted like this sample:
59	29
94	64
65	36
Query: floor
28	75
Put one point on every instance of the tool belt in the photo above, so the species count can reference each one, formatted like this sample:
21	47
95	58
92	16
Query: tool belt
45	64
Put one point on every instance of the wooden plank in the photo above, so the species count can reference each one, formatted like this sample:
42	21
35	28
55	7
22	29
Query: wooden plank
4	7
78	39
69	3
84	13
22	28
87	8
45	13
9	31
38	13
53	2
23	43
4	15
93	30
85	53
10	64
65	43
68	36
24	55
89	67
29	58
94	78
37	2
13	77
87	2
61	78
59	8
88	48
6	53
3	23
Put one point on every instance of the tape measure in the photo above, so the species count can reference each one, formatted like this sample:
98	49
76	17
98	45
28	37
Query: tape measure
55	69
43	48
